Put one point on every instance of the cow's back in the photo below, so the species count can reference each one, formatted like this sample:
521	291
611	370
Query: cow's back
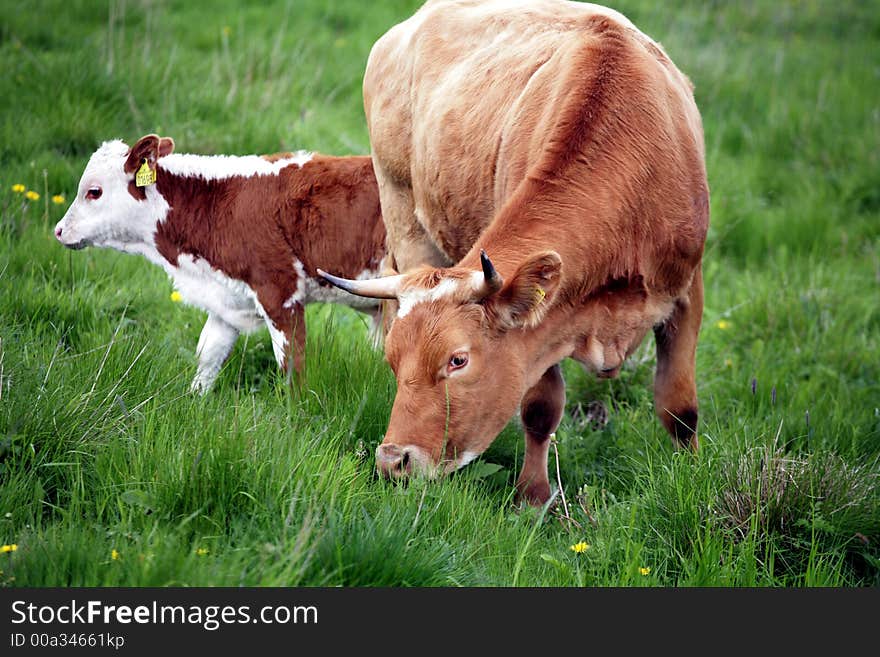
461	99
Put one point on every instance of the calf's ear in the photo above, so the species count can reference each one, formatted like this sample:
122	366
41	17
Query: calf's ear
526	295
149	148
146	148
166	146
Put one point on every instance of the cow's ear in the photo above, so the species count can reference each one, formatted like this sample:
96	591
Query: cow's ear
527	295
146	148
166	146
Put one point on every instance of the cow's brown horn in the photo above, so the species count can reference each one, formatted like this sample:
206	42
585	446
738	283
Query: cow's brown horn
492	279
385	287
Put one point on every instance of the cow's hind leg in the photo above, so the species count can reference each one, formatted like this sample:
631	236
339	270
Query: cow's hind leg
288	331
286	320
215	345
297	337
541	413
675	387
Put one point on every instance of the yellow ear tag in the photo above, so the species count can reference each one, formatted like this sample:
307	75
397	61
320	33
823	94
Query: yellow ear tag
145	175
539	295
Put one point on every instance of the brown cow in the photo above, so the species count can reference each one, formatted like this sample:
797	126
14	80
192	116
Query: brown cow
561	141
240	236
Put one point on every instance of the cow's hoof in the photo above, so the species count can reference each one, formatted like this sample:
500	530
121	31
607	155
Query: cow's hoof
534	494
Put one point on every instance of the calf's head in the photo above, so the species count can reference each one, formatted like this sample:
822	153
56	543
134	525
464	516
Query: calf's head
110	208
458	348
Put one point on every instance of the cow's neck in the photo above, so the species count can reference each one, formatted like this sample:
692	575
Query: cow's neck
601	309
509	240
600	332
557	337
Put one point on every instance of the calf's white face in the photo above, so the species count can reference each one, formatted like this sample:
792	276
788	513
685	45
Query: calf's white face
104	212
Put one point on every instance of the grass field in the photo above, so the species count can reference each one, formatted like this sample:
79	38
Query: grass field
112	474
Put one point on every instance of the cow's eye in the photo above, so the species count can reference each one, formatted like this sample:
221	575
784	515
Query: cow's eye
458	361
94	193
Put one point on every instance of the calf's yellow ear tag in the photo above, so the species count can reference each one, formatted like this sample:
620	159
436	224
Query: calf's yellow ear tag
539	295
145	175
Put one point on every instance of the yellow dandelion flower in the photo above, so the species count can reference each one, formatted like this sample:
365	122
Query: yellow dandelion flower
728	362
176	296
227	30
202	552
580	548
645	571
9	548
114	554
723	324
58	199
18	188
31	195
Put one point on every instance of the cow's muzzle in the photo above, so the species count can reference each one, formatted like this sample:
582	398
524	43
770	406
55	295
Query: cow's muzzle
393	460
76	246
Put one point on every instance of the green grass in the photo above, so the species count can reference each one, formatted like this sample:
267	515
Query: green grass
103	449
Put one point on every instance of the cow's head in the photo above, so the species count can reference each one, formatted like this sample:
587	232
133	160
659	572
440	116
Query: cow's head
458	347
110	208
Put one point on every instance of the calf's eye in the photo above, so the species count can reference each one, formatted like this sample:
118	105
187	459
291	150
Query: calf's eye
458	361
94	193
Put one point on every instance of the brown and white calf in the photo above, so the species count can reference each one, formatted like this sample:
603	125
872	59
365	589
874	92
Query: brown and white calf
564	143
240	236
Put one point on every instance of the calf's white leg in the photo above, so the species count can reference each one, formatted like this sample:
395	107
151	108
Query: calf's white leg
215	345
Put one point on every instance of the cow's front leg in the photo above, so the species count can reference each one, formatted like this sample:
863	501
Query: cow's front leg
215	345
407	242
541	413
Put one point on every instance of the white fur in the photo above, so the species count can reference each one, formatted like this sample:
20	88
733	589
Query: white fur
465	458
231	300
215	344
218	167
207	288
409	299
119	221
116	220
279	339
298	297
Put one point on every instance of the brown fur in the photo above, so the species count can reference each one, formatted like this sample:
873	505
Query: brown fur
541	413
325	213
572	134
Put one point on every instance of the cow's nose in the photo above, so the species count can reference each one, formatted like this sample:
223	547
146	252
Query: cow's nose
58	232
391	460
